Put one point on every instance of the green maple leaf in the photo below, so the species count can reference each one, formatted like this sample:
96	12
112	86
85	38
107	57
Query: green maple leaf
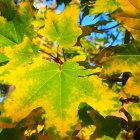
8	9
3	58
12	30
59	90
62	28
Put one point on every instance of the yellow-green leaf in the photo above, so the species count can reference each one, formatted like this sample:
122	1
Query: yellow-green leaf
85	132
119	59
62	28
134	110
3	58
13	30
129	15
133	83
20	54
101	6
59	90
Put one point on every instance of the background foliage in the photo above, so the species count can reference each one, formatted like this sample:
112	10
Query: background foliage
69	70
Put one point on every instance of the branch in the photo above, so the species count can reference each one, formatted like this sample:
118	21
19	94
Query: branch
127	37
110	27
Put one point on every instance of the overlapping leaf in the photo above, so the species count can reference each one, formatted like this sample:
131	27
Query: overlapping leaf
62	28
99	127
101	6
8	9
133	83
20	54
3	58
59	90
134	110
13	30
129	15
121	59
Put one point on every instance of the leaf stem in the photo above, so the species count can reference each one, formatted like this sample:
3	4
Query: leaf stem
127	37
64	54
56	59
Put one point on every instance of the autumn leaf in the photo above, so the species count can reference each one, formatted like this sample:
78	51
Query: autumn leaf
59	90
3	58
13	30
57	79
133	83
95	126
29	124
17	55
105	138
85	132
109	126
118	59
121	59
8	9
133	109
120	64
100	6
62	28
128	14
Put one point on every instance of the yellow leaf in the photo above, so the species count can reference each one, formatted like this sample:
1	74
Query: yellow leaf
29	132
132	86
59	90
81	57
129	16
2	20
85	132
101	6
40	128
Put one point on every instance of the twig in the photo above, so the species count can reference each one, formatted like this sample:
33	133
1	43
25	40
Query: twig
115	39
110	27
64	54
127	37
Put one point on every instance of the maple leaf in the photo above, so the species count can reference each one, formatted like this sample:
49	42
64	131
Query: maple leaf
133	109
118	59
133	83
25	127
17	55
8	9
100	6
13	30
85	132
59	90
3	58
97	126
62	28
121	59
128	14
